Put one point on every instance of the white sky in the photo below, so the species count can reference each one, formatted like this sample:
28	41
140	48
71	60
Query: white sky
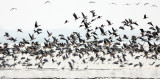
52	16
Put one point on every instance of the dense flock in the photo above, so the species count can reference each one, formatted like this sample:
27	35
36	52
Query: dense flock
99	47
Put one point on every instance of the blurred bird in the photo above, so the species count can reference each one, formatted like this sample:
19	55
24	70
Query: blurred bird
49	33
13	9
19	30
6	34
36	25
66	21
47	2
75	16
109	22
145	17
31	37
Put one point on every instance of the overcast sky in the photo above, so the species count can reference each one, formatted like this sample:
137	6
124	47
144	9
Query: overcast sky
51	16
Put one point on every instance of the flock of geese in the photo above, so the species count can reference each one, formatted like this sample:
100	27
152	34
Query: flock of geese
139	3
77	49
144	4
92	2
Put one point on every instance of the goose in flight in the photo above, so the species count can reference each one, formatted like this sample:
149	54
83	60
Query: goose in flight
113	4
36	25
150	23
91	2
49	33
154	6
66	21
13	9
19	30
31	37
145	17
137	3
75	16
6	34
38	31
93	13
127	4
47	2
146	4
109	22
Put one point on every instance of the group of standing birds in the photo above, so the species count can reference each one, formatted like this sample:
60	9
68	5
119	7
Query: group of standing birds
74	49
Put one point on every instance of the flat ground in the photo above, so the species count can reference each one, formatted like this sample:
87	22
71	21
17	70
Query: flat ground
90	73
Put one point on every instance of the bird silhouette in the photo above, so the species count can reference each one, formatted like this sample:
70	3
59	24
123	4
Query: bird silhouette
36	25
47	2
75	16
13	9
109	22
49	33
145	17
19	30
31	37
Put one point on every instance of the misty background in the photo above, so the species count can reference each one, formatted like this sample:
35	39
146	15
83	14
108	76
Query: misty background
51	16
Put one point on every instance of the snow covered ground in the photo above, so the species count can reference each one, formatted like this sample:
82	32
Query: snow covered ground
95	73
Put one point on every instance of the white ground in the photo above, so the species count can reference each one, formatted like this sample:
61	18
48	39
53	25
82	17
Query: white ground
51	73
